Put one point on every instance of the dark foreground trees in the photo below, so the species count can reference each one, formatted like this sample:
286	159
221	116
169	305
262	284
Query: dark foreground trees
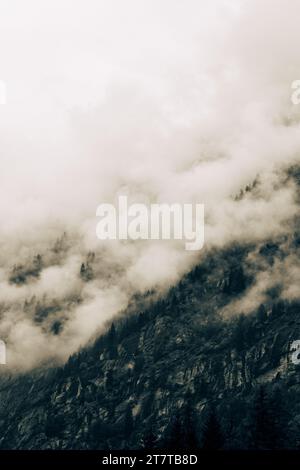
212	437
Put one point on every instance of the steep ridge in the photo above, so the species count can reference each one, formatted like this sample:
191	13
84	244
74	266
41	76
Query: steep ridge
137	382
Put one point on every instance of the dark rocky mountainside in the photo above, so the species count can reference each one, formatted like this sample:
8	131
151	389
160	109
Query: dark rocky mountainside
176	374
185	369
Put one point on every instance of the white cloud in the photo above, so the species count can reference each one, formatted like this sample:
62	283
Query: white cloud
169	101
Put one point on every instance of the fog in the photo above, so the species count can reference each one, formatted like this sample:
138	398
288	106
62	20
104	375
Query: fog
161	101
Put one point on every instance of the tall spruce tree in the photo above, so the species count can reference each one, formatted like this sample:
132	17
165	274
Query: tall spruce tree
268	421
189	430
150	439
174	434
212	437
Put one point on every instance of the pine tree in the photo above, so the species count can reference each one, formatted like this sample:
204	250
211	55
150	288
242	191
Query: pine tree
150	439
82	270
262	315
112	342
174	436
278	309
189	431
269	420
86	272
236	282
240	334
128	421
109	382
212	437
181	433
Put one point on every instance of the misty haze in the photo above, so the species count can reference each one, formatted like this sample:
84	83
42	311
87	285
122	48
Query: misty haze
143	344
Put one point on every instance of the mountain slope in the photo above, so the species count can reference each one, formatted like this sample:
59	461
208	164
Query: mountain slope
138	376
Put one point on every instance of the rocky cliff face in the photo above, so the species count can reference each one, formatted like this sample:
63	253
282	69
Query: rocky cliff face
135	378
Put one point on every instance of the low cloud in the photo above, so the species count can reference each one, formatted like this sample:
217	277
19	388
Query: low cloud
173	102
